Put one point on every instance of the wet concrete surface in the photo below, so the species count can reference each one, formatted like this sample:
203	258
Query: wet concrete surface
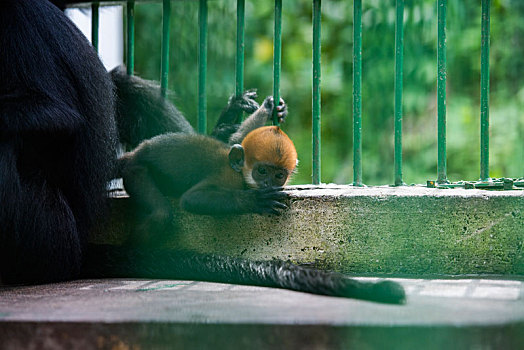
141	314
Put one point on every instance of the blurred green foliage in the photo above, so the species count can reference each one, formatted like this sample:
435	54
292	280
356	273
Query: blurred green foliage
419	99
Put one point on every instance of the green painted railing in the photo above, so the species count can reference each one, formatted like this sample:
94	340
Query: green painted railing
316	92
277	56
239	62
130	11
399	65
484	93
94	23
441	92
357	93
442	181
202	66
164	60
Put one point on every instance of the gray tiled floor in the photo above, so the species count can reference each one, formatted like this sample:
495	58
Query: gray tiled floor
429	302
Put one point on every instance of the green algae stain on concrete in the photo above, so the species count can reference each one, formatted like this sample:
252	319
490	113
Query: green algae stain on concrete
428	235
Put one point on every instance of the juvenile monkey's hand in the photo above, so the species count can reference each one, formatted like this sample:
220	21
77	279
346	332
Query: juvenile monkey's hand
269	105
269	200
245	102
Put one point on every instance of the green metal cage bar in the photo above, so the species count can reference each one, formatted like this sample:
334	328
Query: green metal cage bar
277	56
357	93
164	60
239	62
95	19
399	67
316	90
130	14
202	67
441	93
484	92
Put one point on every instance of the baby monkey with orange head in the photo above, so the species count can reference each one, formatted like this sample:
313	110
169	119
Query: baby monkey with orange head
271	158
210	176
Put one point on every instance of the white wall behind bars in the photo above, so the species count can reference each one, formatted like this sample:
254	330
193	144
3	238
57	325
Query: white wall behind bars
110	35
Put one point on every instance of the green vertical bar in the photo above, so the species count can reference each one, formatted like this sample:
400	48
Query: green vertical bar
239	76
357	93
94	24
202	66
441	92
277	53
130	36
316	89
399	66
484	92
164	63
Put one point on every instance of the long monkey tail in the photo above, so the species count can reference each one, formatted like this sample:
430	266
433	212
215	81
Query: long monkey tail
117	261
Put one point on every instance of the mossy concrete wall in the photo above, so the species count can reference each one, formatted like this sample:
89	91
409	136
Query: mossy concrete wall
391	230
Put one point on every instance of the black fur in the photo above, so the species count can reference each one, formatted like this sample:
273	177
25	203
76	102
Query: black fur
229	120
142	112
57	142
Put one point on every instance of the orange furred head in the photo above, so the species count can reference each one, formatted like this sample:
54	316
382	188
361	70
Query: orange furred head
269	144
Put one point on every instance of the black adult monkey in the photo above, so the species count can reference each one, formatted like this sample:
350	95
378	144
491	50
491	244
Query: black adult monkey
57	142
57	147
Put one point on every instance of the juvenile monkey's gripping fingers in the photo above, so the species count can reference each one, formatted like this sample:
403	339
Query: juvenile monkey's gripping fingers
271	200
281	109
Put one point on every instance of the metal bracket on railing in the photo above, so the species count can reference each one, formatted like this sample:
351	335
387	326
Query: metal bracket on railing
492	184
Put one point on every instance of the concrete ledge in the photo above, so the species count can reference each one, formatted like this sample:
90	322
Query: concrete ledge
391	230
